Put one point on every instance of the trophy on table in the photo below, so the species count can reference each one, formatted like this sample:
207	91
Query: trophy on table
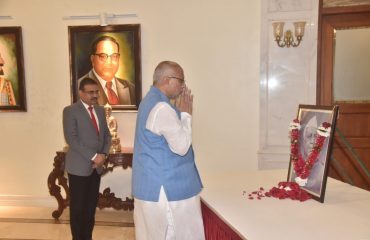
113	126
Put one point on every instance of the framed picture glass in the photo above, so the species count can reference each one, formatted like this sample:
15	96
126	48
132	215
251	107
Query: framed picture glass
311	148
12	87
111	56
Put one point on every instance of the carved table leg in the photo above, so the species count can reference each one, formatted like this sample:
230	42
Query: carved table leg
58	174
108	199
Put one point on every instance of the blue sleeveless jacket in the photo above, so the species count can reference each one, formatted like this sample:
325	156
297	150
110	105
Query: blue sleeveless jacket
155	165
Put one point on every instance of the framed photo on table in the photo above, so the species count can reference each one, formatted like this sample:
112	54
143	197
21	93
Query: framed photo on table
12	87
311	147
107	54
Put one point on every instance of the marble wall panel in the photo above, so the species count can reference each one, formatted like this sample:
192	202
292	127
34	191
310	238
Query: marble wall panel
288	77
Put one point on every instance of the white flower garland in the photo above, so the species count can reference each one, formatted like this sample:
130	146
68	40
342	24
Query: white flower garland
294	125
325	132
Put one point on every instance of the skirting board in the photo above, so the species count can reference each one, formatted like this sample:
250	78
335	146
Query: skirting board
24	200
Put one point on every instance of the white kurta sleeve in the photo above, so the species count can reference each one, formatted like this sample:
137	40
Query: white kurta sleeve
164	121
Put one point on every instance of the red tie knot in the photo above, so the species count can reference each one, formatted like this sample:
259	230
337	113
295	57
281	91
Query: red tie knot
109	85
93	119
112	96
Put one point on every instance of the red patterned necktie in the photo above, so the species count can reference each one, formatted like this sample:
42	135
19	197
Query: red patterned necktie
93	119
112	96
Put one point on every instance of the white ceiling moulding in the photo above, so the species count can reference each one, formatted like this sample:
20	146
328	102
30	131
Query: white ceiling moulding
104	18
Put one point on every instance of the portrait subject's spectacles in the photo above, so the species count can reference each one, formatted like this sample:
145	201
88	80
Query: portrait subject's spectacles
114	57
182	81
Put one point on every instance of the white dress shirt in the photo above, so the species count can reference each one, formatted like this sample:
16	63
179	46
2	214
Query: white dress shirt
163	121
103	83
97	121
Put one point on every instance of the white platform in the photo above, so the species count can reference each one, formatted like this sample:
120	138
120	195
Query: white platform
345	213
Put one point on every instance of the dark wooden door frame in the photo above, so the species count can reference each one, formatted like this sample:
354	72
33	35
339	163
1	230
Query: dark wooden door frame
331	19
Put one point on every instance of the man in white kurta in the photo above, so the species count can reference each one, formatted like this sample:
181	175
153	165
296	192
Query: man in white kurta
166	183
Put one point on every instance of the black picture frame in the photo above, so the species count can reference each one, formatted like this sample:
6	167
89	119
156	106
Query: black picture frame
310	118
12	82
81	39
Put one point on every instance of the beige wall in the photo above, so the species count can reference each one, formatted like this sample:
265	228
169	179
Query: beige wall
217	43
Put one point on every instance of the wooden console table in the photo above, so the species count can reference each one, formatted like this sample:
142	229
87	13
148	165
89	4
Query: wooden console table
57	180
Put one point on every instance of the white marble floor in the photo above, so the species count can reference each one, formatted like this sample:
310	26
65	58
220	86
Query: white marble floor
36	223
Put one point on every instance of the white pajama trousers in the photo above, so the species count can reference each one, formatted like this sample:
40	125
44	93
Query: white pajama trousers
164	220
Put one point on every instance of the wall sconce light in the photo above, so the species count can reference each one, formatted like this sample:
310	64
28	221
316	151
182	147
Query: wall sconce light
103	17
278	29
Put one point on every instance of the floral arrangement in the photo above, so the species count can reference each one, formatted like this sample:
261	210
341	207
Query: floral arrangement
284	190
302	167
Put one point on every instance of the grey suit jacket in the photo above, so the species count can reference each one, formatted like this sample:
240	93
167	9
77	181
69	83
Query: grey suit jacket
125	90
83	141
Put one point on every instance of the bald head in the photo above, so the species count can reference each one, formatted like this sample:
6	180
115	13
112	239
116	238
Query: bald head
168	77
165	69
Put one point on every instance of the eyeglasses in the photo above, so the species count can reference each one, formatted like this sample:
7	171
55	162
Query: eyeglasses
114	57
182	81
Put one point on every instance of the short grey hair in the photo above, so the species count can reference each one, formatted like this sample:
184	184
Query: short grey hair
163	68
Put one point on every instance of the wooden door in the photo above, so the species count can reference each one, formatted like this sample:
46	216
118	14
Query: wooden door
350	157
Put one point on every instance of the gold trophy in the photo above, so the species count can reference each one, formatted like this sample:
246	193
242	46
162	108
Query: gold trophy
113	126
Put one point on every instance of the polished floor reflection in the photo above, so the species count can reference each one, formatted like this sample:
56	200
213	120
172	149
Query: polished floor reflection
36	223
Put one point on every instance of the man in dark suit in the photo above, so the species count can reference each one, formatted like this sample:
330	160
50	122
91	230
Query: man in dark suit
87	135
105	58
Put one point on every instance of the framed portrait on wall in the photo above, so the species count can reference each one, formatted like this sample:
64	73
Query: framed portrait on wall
12	87
311	148
111	56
